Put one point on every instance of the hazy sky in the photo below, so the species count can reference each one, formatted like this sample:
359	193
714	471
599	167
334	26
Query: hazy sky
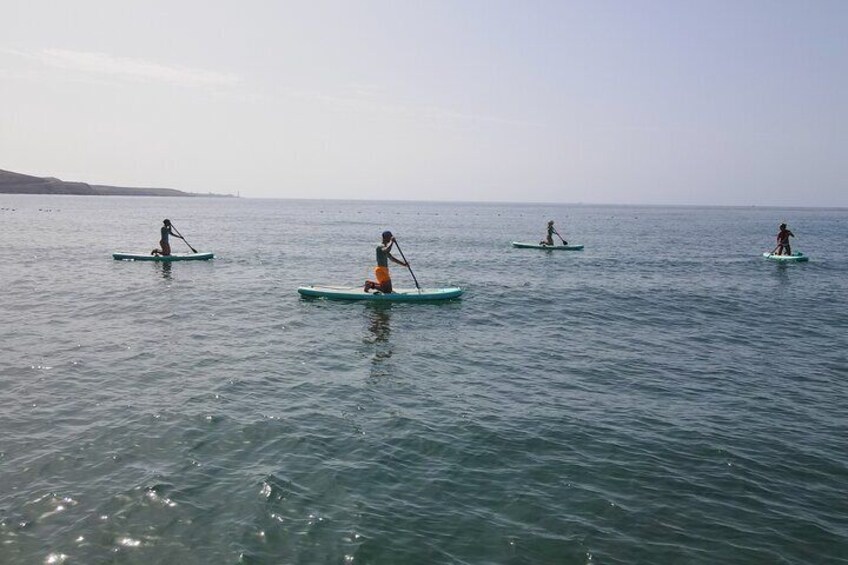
678	102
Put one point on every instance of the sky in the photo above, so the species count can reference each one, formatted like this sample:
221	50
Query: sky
713	102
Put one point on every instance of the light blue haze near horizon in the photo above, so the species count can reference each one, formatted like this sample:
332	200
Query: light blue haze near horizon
705	103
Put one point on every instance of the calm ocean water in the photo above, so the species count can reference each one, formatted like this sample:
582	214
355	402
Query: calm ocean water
665	396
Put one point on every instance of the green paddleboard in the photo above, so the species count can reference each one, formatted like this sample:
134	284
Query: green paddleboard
796	257
399	295
547	247
172	257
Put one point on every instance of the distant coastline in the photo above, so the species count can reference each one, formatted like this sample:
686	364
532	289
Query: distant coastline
17	183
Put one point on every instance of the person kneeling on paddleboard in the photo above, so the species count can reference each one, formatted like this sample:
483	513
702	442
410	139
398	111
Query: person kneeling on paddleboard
549	240
381	271
165	246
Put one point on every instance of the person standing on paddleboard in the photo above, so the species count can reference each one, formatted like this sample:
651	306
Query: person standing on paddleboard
381	271
549	240
783	241
165	246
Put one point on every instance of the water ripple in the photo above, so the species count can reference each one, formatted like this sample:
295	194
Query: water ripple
640	401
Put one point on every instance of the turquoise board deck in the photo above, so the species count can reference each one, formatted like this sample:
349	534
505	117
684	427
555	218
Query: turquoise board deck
172	257
547	247
399	295
797	257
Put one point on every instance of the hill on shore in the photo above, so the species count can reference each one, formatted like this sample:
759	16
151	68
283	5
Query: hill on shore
17	183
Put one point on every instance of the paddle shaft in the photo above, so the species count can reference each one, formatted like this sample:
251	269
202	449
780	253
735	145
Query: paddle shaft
193	250
407	265
560	238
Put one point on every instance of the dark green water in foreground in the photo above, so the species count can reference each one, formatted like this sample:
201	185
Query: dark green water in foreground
665	396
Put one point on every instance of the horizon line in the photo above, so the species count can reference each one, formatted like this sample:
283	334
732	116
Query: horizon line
227	196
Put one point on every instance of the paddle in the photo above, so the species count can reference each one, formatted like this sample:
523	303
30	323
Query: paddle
778	246
560	238
407	266
193	250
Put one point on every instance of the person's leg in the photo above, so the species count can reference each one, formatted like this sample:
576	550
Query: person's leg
166	248
380	273
384	281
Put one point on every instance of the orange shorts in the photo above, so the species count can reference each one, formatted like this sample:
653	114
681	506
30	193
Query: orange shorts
382	274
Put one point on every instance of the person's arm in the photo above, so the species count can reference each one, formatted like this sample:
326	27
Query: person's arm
398	261
171	231
388	248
